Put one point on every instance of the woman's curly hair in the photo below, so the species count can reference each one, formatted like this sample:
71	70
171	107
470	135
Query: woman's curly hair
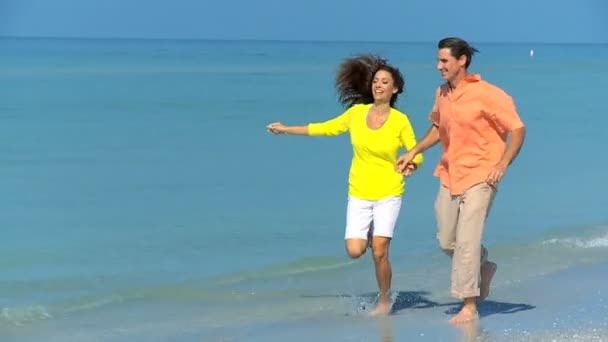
355	75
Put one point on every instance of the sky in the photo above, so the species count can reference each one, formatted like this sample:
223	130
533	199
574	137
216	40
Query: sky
550	21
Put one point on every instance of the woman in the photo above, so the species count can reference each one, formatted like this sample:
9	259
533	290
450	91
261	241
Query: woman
369	86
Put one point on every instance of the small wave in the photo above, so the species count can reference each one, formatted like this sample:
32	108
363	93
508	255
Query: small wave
311	264
34	313
595	242
24	315
190	289
96	303
304	265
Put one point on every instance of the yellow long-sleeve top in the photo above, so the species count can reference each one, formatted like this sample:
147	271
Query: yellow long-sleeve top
372	171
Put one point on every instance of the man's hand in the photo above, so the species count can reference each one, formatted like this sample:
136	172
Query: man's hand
496	174
402	163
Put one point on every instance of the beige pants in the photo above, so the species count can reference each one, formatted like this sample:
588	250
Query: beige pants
460	224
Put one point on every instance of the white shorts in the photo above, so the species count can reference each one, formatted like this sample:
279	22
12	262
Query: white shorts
379	216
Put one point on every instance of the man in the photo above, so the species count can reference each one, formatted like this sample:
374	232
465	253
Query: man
472	119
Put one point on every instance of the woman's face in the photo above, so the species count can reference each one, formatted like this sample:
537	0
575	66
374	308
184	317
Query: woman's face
383	86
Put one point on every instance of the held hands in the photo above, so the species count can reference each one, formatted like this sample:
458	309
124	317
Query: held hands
405	165
276	128
403	162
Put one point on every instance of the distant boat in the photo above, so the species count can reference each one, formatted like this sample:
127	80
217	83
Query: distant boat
531	52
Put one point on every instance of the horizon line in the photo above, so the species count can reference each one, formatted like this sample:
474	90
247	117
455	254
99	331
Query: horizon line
283	40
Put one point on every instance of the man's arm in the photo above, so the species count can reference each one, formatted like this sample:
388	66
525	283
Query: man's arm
430	139
516	141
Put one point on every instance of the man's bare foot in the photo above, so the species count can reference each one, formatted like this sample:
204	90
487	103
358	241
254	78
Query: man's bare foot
382	309
466	314
488	269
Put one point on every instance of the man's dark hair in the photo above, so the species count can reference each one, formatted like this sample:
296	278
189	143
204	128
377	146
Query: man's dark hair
458	48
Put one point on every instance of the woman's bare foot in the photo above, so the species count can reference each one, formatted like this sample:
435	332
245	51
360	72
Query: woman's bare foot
488	269
383	309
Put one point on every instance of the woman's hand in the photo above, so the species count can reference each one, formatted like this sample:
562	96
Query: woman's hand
409	170
276	128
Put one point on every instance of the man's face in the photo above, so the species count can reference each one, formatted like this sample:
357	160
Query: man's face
448	65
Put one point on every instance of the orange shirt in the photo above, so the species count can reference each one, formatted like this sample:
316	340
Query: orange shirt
474	120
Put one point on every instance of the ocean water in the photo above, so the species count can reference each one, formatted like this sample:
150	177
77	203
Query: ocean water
144	200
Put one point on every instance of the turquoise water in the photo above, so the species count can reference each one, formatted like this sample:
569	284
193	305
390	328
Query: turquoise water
140	185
